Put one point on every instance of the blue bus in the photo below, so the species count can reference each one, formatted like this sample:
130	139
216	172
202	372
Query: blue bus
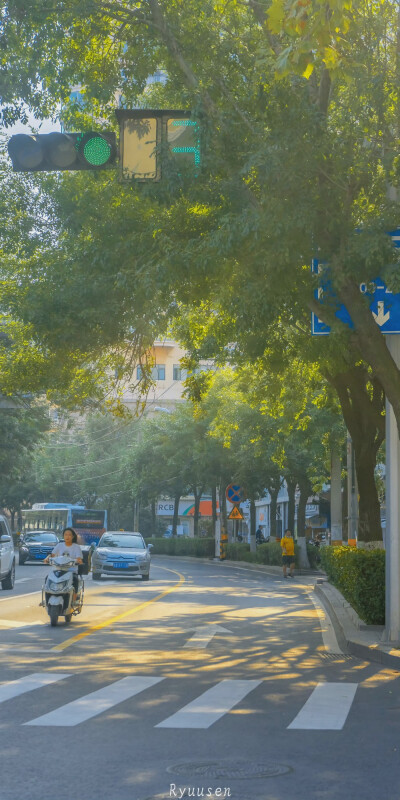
89	524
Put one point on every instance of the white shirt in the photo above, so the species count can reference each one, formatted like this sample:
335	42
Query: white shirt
73	550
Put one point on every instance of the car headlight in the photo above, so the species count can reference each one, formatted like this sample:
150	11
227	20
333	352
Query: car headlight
141	558
58	587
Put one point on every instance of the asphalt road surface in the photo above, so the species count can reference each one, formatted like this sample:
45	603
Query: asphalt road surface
211	680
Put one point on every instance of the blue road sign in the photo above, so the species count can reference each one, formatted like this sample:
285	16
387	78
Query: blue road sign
234	493
384	304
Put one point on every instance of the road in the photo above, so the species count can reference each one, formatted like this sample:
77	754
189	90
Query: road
211	680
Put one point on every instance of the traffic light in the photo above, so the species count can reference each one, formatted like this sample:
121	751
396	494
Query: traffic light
62	151
147	137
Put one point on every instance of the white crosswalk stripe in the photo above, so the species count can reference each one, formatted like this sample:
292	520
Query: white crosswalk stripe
327	708
35	681
211	705
96	702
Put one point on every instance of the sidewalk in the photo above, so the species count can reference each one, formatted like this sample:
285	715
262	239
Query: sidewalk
363	641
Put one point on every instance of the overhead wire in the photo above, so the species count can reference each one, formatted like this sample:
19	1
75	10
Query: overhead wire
109	435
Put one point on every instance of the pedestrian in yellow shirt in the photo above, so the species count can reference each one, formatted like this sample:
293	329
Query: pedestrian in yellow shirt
287	545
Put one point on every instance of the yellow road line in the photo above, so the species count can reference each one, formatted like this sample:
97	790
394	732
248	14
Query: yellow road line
111	621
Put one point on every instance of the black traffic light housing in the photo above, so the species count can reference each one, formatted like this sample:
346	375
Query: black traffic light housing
62	151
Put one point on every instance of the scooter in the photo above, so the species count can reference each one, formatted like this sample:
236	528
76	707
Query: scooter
58	591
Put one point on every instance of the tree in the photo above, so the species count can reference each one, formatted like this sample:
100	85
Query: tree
281	181
21	430
279	184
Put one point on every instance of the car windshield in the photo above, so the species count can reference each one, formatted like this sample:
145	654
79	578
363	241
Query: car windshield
41	537
122	541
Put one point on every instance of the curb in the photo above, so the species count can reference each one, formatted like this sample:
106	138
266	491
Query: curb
349	622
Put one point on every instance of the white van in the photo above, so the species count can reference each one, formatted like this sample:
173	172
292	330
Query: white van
7	557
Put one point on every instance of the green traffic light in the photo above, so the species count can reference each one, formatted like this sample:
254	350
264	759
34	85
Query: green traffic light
97	151
62	151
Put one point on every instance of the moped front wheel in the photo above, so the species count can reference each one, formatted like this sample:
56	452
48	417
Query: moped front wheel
53	616
68	618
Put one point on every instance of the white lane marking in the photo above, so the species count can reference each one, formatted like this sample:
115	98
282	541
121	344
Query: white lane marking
211	705
203	635
29	683
23	580
96	702
327	708
327	629
14	623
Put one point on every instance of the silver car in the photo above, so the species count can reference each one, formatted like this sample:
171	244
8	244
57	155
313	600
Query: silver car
121	553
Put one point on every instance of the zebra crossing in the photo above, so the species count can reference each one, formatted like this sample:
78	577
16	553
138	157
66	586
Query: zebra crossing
326	708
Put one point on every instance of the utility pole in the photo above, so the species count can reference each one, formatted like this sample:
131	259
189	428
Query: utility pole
392	538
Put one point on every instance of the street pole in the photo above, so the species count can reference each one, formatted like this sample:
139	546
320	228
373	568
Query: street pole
392	537
218	537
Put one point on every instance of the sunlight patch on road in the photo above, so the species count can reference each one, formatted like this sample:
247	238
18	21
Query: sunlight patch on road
106	623
380	677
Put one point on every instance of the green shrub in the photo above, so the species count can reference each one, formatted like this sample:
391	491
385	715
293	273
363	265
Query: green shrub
269	553
183	546
239	551
360	576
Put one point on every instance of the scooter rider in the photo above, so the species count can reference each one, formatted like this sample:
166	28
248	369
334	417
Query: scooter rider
71	548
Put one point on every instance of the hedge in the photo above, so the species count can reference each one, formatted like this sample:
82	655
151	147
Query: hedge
360	576
270	553
183	546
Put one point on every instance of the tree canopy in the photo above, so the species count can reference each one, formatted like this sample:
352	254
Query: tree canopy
298	107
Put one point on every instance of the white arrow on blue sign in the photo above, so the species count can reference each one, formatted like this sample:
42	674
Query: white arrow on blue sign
384	305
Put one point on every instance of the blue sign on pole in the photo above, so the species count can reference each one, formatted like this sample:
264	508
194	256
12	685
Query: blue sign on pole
234	493
384	304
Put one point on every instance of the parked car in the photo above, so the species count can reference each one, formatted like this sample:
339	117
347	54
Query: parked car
36	545
7	557
121	553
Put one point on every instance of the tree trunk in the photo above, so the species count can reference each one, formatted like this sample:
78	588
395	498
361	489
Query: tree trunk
363	414
336	494
176	514
305	490
214	508
291	490
222	510
197	497
273	491
252	526
369	514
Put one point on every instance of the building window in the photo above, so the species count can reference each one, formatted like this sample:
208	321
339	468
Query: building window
179	374
158	372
